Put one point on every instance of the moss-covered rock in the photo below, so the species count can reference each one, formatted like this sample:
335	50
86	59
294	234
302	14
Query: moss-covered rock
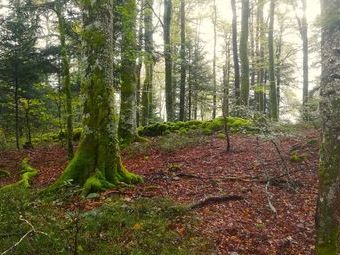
27	174
207	127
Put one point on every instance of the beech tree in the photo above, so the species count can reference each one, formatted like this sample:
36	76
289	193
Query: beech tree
127	122
97	164
328	209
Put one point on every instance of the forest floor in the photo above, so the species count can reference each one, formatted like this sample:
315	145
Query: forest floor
275	217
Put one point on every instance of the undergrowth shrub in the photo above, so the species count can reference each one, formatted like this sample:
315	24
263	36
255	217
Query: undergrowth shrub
235	124
174	141
63	226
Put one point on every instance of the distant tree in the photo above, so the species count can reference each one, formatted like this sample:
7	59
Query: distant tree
328	208
147	96
167	21
127	123
22	64
214	60
183	63
244	53
235	54
274	113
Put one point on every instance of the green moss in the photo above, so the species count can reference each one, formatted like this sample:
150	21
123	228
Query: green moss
296	157
4	173
27	174
207	127
221	135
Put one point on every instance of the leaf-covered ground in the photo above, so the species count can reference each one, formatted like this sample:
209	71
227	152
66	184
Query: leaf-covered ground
275	217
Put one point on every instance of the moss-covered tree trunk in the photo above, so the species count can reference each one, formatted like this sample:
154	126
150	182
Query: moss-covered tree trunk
127	123
139	61
274	113
328	212
66	79
244	53
97	164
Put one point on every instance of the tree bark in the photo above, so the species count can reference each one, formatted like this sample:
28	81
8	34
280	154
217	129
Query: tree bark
273	91
139	62
328	209
97	164
235	53
66	79
168	59
214	61
147	96
244	53
127	124
183	65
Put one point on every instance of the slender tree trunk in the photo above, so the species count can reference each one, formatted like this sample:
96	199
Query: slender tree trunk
16	103
147	97
304	36
28	125
226	80
235	53
278	66
168	59
244	53
127	125
97	164
273	90
214	61
260	90
183	64
190	83
66	79
328	209
139	62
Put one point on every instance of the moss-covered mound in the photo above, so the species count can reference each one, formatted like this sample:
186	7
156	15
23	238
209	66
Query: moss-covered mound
208	127
27	173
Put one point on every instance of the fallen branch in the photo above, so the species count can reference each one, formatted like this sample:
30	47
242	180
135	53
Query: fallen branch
31	231
215	200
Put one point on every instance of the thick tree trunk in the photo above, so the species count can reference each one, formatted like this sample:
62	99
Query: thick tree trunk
168	59
244	53
328	209
214	62
66	79
97	164
273	91
183	65
127	123
235	53
147	97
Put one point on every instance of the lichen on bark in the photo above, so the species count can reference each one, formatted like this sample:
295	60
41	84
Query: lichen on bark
97	164
328	209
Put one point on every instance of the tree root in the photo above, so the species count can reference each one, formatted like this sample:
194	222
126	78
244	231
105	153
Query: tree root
215	200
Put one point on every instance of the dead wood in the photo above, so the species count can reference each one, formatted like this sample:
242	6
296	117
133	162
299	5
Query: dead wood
215	200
